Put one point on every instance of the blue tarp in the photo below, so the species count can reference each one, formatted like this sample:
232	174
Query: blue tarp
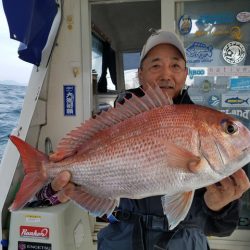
30	22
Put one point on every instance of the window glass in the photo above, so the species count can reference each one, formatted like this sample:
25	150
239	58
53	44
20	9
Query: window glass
131	65
97	47
217	41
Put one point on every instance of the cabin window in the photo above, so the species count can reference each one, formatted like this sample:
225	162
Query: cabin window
97	60
97	47
131	65
218	57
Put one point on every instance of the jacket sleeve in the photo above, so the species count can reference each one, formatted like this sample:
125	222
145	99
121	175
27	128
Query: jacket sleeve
221	223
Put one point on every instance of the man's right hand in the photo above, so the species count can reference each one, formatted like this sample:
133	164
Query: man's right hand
61	182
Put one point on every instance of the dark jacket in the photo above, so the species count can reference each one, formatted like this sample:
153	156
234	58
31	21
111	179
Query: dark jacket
143	226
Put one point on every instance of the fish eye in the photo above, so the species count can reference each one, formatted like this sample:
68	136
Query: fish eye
229	127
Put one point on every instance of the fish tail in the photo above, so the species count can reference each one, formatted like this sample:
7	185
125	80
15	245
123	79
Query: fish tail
34	169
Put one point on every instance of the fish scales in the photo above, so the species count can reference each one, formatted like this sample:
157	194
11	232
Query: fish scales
137	163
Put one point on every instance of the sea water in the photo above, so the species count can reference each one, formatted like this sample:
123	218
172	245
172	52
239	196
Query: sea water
11	101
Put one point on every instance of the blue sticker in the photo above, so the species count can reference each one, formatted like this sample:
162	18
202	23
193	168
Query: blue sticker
240	83
69	100
185	24
219	18
199	52
214	101
195	72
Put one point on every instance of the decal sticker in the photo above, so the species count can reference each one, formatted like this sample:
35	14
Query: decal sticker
69	100
195	72
214	101
239	113
197	98
185	24
34	232
24	245
206	86
229	71
33	218
235	100
199	52
240	83
234	32
219	18
243	17
234	52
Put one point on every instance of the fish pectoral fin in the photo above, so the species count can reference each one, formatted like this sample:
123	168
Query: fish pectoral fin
96	206
182	158
176	207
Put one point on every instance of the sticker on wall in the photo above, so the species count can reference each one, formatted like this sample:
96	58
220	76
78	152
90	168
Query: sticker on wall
234	52
228	71
243	16
34	232
69	100
235	100
234	32
197	99
206	86
185	24
199	52
240	83
33	218
25	245
239	113
196	72
218	18
214	101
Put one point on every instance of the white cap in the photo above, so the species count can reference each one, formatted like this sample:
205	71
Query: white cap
160	37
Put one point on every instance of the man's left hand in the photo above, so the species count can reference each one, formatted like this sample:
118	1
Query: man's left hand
229	189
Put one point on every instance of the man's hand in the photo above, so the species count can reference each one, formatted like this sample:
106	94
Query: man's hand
60	182
231	188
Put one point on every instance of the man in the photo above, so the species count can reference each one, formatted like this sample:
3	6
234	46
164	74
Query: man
141	224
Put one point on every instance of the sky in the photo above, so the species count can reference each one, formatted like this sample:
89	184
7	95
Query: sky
11	67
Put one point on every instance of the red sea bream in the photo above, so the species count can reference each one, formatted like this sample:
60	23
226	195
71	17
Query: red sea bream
145	147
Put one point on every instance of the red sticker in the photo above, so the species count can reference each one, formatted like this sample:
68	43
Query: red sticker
34	232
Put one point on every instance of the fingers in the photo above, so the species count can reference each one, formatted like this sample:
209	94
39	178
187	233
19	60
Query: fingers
227	186
227	190
241	182
212	188
61	180
62	197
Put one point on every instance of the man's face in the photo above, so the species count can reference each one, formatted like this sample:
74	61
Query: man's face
164	66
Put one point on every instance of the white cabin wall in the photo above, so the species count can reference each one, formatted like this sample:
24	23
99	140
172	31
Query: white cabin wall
68	55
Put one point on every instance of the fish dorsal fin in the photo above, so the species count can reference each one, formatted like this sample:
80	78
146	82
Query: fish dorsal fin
76	139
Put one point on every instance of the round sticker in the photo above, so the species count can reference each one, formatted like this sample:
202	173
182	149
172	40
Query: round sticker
243	16
234	52
185	24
